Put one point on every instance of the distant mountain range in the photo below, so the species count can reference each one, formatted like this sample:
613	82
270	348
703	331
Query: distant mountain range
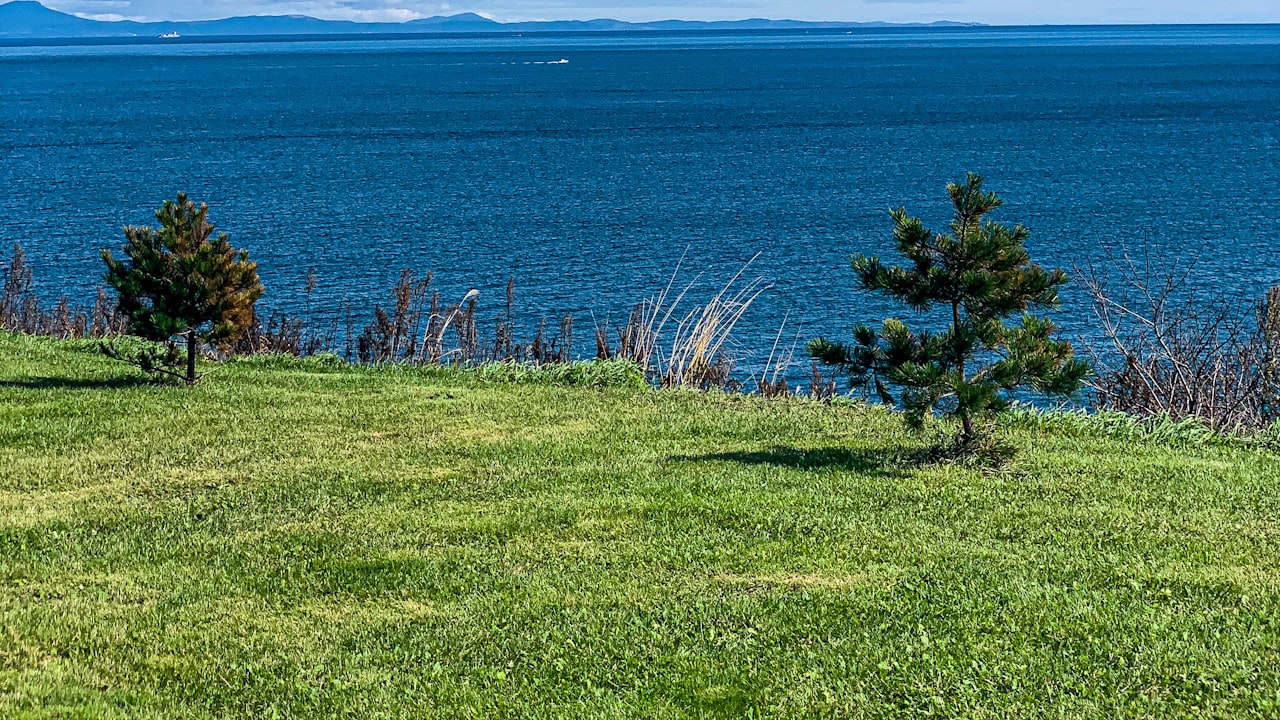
29	19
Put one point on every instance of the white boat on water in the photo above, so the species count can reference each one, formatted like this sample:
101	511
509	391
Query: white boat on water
170	35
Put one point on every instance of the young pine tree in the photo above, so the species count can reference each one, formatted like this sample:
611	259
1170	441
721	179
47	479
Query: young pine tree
981	277
181	282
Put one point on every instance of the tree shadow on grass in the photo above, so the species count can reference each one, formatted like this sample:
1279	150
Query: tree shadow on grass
116	382
882	461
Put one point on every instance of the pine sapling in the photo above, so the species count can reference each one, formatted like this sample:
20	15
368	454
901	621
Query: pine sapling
181	282
980	276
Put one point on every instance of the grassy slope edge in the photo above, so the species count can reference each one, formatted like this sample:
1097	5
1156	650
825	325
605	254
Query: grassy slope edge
355	543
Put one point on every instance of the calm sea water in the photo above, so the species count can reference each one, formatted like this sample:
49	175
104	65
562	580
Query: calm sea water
588	181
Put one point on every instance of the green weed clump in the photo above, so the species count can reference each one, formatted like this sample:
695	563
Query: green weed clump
320	362
1162	429
586	373
589	373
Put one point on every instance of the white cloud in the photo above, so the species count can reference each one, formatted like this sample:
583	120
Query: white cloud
378	15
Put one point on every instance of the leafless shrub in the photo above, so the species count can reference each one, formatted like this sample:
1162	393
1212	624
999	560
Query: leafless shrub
504	331
773	388
1169	351
18	307
821	387
21	311
565	341
392	337
547	349
106	319
281	334
604	351
374	343
313	339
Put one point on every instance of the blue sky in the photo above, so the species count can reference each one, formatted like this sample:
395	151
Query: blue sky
988	11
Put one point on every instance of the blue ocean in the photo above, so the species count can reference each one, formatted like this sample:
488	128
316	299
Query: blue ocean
587	166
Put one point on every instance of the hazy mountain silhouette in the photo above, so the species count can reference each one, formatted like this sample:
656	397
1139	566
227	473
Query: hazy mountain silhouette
29	19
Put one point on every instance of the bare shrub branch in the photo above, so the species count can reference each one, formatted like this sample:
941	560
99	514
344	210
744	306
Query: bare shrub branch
1169	351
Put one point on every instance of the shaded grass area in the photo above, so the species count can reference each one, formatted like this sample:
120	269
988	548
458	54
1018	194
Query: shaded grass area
296	540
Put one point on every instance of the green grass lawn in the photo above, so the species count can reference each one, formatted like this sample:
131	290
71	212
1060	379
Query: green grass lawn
305	542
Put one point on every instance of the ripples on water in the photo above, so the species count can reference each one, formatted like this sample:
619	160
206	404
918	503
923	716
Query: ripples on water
588	181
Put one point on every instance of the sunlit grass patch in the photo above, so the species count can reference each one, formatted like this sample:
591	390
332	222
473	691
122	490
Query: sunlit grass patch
351	542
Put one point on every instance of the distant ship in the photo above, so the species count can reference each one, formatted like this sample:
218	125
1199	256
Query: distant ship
170	35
